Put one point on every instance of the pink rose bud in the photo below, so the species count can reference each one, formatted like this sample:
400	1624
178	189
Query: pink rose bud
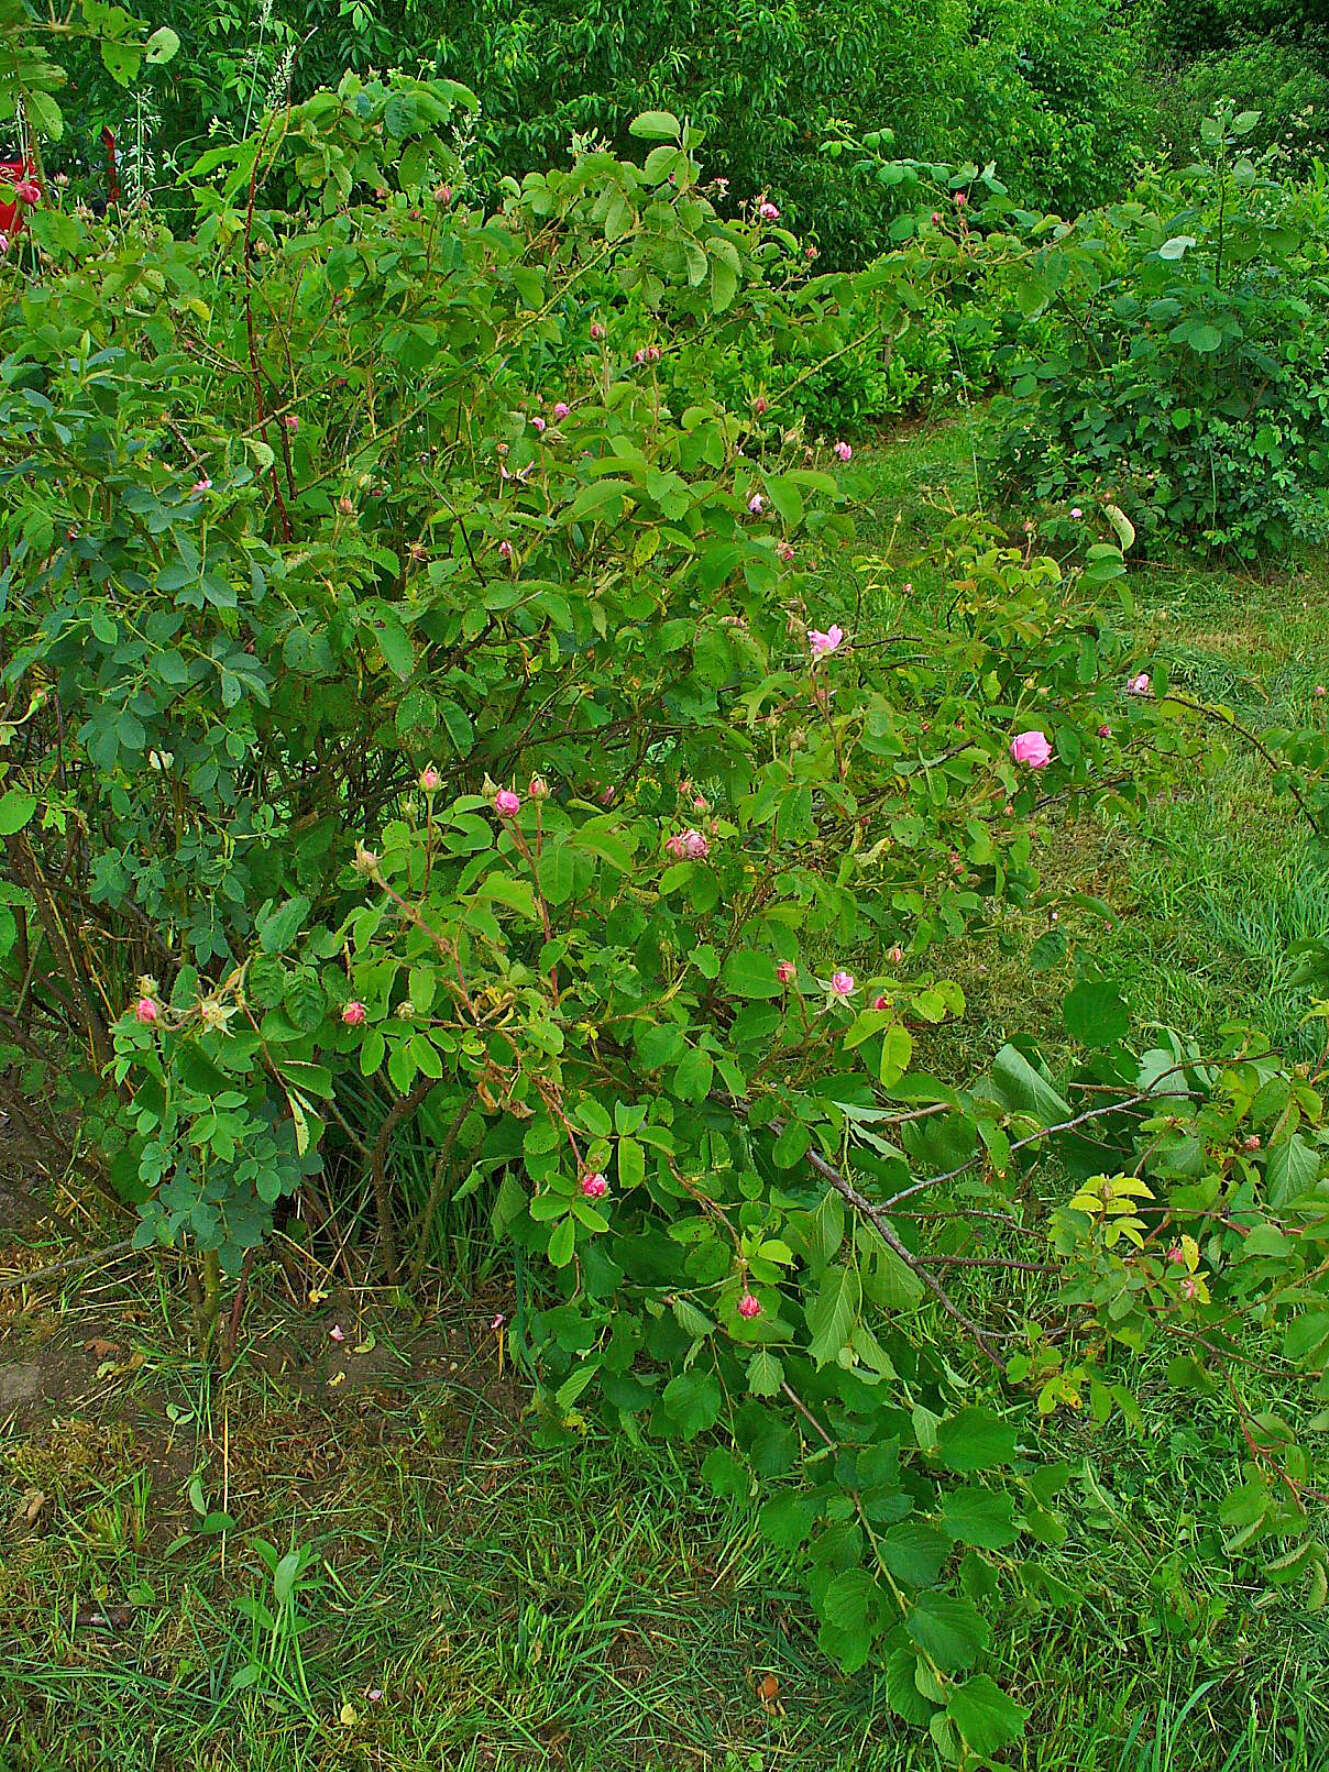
1321	690
936	217
821	644
639	356
880	1002
842	984
539	423
1188	1287
28	192
749	1307
538	788
1031	748
785	552
594	1186
895	954
759	405
652	353
430	779
675	847
756	504
146	1011
505	550
811	252
353	1014
767	210
1177	1255
695	846
1252	1141
497	1320
960	199
561	409
786	971
843	450
1138	685
506	803
597	330
1105	732
291	422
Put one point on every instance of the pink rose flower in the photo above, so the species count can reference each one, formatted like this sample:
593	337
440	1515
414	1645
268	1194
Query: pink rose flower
1138	685
1031	748
594	1186
561	409
538	788
1105	732
767	210
430	779
843	450
652	353
784	552
688	844
786	971
1076	511
291	422
960	199
353	1014
756	504
1188	1287
759	405
936	217
597	330
506	803
749	1307
146	1011
880	1002
842	984
505	550
28	192
895	954
823	643
539	423
639	357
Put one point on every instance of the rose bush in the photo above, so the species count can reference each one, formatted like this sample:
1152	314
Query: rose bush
428	697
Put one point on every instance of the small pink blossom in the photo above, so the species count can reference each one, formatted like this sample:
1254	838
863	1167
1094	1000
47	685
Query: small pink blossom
1031	748
811	252
537	788
1105	732
767	210
594	1186
749	1307
374	1694
507	804
844	451
756	504
1177	1255
1251	1142
880	1002
690	844
936	217
430	779
354	1013
895	954
561	409
639	357
497	1321
1188	1288
1321	690
291	421
146	1011
820	644
505	550
652	353
960	199
784	551
597	331
786	971
1138	685
28	192
539	423
1076	511
201	486
759	405
842	984
336	1333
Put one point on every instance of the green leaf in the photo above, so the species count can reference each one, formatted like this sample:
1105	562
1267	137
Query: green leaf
655	126
1291	1170
692	1400
897	1048
44	114
765	1373
1024	1091
902	1693
1177	247
950	1630
631	1163
914	1552
726	1474
832	1313
161	46
1095	1014
987	1718
16	808
851	1601
562	1242
279	929
1204	339
975	1440
980	1517
747	973
557	873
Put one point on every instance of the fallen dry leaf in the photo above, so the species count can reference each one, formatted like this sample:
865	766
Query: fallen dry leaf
104	1350
32	1504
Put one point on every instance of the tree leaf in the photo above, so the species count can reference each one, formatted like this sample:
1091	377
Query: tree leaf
1095	1015
947	1628
980	1517
987	1718
975	1440
832	1313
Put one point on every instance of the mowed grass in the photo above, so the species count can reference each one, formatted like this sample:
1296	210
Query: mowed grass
462	1600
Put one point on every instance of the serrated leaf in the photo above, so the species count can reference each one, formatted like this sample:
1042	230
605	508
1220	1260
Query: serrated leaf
949	1630
831	1315
987	1718
975	1440
980	1517
765	1373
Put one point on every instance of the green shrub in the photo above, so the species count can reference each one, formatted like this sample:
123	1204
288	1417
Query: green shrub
427	696
1181	373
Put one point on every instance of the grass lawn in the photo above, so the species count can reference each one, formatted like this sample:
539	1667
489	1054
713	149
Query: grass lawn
459	1600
